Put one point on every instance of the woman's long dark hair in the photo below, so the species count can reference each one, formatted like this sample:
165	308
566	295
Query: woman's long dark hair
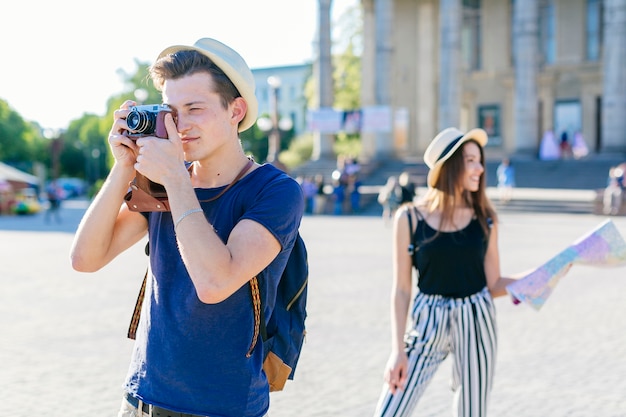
448	192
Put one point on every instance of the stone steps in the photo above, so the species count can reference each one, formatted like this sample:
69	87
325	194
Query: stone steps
589	174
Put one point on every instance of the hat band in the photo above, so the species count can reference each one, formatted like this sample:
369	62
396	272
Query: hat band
449	148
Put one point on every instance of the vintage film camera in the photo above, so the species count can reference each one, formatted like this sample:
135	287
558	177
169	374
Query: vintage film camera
148	120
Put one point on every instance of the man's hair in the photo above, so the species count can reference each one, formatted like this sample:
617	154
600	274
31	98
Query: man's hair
184	63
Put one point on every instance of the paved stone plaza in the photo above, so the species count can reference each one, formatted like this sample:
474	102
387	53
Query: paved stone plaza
64	352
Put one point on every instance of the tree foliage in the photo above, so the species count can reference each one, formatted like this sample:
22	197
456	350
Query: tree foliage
347	51
20	142
85	152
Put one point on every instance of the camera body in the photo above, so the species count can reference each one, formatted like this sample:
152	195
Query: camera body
148	120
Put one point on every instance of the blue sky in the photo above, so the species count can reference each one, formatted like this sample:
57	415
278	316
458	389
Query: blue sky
60	58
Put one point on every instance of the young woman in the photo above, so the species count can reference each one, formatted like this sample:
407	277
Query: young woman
451	237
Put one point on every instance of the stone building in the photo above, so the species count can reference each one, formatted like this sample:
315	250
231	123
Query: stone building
291	99
517	68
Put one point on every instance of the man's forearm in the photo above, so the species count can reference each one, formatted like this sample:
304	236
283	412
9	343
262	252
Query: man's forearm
95	234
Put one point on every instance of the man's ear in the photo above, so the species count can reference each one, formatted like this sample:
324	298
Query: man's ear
239	108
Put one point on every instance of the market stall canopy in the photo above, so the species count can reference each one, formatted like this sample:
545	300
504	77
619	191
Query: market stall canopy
14	175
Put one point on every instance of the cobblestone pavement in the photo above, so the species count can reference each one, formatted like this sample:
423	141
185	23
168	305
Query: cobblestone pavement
64	352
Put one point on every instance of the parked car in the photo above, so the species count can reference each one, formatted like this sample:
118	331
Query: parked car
26	202
72	187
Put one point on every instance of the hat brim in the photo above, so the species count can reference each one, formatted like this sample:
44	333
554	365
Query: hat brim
479	135
245	88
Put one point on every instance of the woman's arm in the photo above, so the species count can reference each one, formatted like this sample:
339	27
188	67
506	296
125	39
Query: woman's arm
402	283
495	282
396	369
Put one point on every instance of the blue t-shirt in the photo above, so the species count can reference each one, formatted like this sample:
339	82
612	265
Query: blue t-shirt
189	356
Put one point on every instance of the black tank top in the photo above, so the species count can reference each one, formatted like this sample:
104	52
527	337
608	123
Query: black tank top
452	264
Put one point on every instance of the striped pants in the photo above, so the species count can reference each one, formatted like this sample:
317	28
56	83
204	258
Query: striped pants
463	327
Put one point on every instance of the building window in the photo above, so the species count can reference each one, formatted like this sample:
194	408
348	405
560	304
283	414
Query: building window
470	35
293	93
489	121
594	29
547	31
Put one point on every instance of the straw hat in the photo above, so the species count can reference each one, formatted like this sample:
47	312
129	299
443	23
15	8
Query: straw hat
444	145
235	68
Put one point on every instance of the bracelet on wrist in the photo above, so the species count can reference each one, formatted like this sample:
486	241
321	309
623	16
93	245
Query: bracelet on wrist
185	214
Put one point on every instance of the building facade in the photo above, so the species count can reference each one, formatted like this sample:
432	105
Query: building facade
291	98
517	68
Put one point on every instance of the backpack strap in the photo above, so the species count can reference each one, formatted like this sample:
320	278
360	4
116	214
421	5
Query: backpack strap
134	320
256	305
412	248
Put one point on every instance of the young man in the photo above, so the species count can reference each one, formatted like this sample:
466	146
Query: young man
194	351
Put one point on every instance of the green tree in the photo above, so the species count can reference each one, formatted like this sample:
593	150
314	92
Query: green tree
347	75
85	152
21	142
347	51
254	142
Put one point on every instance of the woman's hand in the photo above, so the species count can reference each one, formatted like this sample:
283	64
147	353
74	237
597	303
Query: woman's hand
396	371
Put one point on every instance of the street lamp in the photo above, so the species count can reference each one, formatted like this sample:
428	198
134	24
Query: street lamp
272	124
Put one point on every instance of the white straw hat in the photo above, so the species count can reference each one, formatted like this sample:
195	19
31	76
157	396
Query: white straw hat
443	146
235	68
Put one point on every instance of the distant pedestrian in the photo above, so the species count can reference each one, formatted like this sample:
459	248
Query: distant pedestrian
351	166
579	147
54	194
564	146
506	180
450	236
320	195
309	190
339	195
390	197
549	148
613	193
354	184
407	186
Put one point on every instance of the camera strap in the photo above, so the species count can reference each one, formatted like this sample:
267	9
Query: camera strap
234	181
134	320
138	198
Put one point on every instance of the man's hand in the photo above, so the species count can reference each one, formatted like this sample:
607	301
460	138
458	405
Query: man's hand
124	149
159	159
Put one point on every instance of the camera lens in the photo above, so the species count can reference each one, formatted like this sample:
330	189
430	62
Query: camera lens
140	121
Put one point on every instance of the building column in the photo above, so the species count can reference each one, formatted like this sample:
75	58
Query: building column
383	10
368	83
376	64
427	70
614	77
526	46
450	22
323	71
